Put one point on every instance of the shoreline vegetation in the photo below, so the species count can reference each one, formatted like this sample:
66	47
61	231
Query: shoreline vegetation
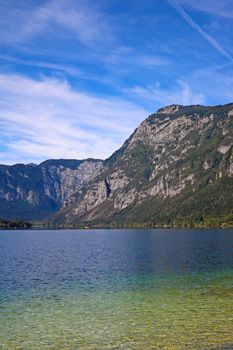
15	224
205	223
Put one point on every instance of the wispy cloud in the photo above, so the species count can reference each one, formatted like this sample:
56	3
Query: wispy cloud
85	23
180	94
212	41
215	7
69	70
49	119
91	33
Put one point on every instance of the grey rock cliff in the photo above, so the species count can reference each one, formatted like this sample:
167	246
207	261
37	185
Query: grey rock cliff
35	191
174	150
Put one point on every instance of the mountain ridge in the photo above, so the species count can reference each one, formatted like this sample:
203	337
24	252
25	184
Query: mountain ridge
158	177
148	168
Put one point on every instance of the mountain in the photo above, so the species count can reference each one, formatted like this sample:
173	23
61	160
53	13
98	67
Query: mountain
32	192
175	169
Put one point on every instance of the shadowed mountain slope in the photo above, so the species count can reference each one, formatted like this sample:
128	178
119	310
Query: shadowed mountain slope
35	191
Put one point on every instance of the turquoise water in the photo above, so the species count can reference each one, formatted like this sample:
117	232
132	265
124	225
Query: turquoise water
116	289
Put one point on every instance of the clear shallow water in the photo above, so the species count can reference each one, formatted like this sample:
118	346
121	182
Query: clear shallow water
116	289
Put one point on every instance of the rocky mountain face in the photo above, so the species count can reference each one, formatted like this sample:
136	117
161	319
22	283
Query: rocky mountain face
36	191
176	168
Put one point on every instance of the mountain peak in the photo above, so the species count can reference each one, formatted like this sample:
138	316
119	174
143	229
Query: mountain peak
169	109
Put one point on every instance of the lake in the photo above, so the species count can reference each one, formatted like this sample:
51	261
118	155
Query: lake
116	289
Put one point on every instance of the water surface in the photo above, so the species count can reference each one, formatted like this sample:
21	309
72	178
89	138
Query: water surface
116	289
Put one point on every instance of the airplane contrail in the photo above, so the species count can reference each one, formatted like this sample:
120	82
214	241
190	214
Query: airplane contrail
195	26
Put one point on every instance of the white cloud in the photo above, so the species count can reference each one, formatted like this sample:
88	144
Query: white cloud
86	23
75	22
181	94
49	119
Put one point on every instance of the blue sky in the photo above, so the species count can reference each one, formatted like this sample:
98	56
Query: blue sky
78	76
